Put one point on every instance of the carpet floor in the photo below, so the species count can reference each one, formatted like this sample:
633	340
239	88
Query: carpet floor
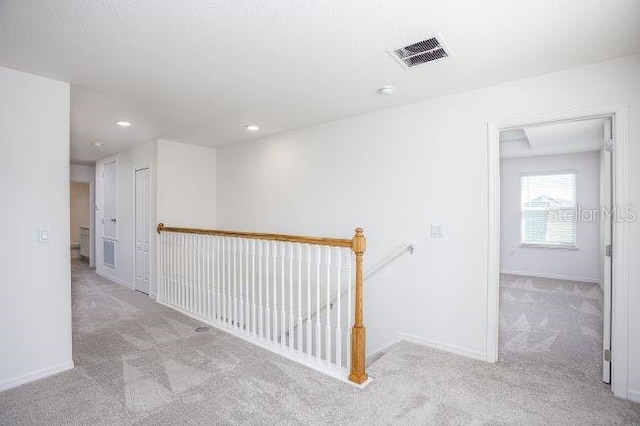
140	363
552	322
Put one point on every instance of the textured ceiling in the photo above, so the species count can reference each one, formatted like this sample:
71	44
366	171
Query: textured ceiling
197	70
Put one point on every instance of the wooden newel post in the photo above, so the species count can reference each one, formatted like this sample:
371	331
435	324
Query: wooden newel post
358	343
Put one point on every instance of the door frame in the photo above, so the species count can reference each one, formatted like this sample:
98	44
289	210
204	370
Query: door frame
134	263
620	262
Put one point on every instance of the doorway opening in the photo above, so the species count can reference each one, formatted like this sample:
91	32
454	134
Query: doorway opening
80	221
541	221
555	276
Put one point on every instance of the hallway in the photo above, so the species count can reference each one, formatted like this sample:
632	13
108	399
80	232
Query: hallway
138	362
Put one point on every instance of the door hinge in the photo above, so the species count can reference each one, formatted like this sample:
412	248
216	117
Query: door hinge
609	145
607	250
607	355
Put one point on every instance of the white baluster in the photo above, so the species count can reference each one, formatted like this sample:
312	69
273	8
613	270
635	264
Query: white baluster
283	315
328	308
161	268
290	333
172	269
299	297
167	296
260	307
239	271
208	268
187	265
182	269
247	286
254	322
225	311
338	310
318	326
204	305
267	312
190	275
179	268
309	339
218	280
275	293
199	280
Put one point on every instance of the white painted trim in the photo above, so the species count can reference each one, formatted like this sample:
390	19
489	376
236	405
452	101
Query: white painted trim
633	395
620	259
552	276
115	280
493	243
36	375
457	350
383	345
620	263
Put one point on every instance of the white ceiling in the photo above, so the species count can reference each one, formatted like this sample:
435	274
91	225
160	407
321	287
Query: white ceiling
197	70
553	139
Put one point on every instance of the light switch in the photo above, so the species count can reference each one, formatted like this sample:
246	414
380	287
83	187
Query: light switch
43	236
436	231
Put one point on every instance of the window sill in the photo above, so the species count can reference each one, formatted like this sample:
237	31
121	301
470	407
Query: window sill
549	246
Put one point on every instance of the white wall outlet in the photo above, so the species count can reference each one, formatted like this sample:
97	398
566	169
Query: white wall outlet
437	231
43	236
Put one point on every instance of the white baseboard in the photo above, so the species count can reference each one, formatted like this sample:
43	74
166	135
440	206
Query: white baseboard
552	276
36	375
633	395
442	346
114	279
382	345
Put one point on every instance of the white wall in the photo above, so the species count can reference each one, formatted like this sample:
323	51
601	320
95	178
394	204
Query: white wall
141	156
582	264
182	193
186	185
80	204
397	171
82	173
35	306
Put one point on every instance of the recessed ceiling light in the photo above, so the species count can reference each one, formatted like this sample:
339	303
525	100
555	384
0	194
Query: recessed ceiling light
386	90
98	144
123	123
252	127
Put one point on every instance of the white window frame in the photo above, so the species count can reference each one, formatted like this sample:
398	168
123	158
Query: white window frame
526	244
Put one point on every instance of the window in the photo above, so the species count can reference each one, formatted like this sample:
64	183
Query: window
548	209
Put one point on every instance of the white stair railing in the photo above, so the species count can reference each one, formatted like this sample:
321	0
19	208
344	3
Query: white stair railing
269	289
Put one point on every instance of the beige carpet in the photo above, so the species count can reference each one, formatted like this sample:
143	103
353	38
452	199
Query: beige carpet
140	363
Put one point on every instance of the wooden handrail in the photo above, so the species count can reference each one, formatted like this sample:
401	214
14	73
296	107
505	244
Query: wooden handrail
358	244
321	241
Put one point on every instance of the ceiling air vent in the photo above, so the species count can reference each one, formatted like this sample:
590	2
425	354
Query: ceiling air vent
421	52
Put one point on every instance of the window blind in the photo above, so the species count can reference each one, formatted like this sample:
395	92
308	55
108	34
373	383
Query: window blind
548	209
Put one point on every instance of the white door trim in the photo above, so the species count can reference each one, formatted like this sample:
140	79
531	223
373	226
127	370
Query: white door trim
620	263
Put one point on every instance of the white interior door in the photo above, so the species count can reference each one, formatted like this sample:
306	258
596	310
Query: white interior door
142	230
606	201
